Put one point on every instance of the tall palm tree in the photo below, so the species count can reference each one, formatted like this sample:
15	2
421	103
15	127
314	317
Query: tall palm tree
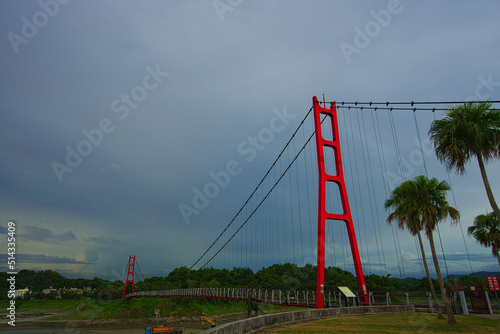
486	230
406	216
466	131
426	204
431	216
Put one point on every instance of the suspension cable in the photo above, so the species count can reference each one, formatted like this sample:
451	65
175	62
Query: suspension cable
410	103
137	264
258	206
251	195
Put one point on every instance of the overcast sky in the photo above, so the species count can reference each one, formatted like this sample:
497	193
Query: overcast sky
113	112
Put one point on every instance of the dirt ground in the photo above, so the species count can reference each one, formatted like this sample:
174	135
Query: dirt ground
59	327
190	328
38	323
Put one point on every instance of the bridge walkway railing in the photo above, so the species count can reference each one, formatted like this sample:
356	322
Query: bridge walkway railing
298	298
277	297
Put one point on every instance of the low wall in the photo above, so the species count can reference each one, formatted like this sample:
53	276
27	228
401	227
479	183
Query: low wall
252	324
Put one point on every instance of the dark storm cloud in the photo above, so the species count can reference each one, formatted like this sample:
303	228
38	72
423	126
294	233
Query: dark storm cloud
225	77
457	257
476	257
102	240
40	258
41	234
91	255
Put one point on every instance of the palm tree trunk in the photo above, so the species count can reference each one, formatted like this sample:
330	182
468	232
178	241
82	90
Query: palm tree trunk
447	305
431	286
489	193
495	251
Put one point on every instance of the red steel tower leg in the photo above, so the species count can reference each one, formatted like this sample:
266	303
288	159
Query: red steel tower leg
323	215
130	273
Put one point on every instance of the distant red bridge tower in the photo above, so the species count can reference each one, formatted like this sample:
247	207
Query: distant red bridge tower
130	274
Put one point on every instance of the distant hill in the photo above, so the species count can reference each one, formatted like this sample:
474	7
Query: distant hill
480	274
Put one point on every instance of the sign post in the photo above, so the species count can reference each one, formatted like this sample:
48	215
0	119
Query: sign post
347	293
493	285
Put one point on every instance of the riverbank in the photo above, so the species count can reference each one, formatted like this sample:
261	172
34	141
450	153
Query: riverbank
124	316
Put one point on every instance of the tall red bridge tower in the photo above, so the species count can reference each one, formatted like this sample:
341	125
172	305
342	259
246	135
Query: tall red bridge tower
323	214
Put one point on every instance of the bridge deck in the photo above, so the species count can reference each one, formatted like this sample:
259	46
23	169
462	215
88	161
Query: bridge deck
276	297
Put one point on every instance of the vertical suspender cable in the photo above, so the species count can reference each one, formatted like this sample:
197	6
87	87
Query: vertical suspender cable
343	232
298	204
420	143
307	196
265	236
398	154
314	216
277	221
283	220
289	194
376	216
383	166
363	149
360	199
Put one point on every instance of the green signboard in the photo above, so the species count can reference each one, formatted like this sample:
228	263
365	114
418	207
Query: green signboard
346	291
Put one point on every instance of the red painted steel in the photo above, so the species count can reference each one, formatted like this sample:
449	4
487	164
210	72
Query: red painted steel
130	271
323	215
493	283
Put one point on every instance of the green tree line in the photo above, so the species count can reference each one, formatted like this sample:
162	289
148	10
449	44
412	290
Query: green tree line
279	276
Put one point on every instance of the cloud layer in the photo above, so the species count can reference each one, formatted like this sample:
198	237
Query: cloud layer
112	113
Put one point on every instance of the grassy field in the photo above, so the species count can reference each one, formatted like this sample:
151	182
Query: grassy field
392	323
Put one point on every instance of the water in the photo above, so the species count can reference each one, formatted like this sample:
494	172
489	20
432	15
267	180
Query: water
36	331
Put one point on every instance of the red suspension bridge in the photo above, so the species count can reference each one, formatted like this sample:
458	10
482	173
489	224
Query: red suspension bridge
278	223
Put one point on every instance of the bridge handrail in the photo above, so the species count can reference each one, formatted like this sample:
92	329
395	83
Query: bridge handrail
274	296
289	297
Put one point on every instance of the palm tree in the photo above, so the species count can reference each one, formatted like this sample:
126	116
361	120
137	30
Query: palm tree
406	216
486	231
435	210
468	130
426	206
